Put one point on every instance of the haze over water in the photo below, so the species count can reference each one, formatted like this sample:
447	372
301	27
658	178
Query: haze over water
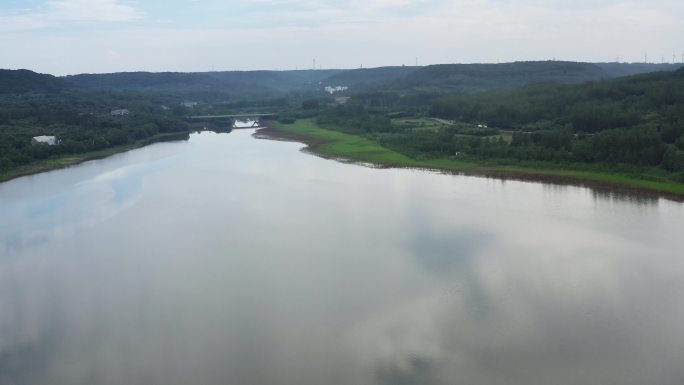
231	260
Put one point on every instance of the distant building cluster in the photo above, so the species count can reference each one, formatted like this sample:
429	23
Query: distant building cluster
331	90
120	112
189	104
45	139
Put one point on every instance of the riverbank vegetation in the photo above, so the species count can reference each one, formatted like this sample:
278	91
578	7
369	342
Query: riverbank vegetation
66	160
631	128
333	143
466	118
82	121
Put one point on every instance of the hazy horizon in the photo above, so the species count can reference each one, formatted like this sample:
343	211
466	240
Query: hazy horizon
338	68
63	37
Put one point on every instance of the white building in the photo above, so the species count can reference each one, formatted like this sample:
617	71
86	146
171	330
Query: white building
49	140
120	112
331	90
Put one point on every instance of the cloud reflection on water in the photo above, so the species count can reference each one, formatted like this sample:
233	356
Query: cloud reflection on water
248	262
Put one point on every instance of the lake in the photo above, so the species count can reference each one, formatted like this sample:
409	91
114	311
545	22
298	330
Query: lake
227	259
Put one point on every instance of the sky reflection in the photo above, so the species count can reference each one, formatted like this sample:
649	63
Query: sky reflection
227	259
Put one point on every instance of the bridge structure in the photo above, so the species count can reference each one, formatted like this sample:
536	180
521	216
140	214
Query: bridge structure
255	115
217	119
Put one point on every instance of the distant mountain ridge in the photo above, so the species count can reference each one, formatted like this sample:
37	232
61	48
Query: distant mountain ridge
627	69
205	84
282	81
484	77
442	78
23	81
367	76
189	84
436	78
481	77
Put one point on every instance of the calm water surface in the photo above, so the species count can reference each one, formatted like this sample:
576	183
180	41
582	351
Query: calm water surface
231	260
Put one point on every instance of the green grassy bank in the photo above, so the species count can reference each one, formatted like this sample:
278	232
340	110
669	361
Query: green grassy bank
336	144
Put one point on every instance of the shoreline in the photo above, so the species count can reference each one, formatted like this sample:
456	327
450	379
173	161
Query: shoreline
75	159
331	145
343	147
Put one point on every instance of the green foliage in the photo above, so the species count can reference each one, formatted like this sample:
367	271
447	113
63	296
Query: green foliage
287	119
81	120
335	143
680	142
635	123
614	70
354	118
634	120
236	86
311	104
673	159
369	76
469	78
479	77
338	144
23	81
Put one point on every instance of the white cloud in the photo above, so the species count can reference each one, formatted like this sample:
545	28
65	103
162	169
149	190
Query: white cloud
284	34
63	12
21	22
330	11
93	10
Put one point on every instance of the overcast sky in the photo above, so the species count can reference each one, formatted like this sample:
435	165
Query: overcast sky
76	36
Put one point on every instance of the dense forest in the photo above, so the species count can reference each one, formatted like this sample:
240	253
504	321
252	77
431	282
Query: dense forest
207	86
482	77
632	122
32	105
469	78
445	78
636	120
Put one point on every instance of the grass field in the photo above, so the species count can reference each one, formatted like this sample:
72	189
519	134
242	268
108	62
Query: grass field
336	144
417	124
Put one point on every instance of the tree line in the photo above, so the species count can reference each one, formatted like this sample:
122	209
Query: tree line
634	120
81	120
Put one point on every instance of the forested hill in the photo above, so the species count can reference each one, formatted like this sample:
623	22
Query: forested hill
21	81
484	77
32	104
434	78
278	81
615	70
207	85
369	76
589	107
479	77
198	85
632	120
